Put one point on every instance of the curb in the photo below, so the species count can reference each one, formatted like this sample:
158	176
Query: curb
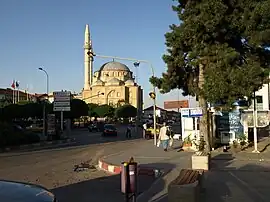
37	145
113	169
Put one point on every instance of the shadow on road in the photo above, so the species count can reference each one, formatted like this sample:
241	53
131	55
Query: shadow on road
229	182
100	189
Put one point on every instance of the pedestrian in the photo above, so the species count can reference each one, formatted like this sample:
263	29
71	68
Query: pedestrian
164	138
144	130
128	131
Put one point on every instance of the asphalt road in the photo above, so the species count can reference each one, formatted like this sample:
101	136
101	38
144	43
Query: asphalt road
53	168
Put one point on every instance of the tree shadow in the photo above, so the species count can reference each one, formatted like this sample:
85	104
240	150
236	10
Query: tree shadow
228	182
108	188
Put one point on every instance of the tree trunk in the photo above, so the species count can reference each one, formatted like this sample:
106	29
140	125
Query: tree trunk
203	105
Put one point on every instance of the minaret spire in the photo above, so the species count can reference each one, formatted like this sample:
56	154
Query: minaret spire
88	59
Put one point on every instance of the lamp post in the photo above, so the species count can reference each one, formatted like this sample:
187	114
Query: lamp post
93	96
44	105
153	74
136	65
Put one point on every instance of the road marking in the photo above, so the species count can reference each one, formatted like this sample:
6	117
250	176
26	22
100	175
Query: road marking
249	187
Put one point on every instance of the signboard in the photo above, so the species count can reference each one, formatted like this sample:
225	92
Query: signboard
195	112
176	104
262	118
191	112
61	101
51	124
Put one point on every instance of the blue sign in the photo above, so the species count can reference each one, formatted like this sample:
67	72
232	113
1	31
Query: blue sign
193	112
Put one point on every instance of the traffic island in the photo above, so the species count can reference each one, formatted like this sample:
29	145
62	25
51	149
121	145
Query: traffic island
116	169
186	187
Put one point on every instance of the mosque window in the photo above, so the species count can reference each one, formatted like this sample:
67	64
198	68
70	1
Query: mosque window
118	94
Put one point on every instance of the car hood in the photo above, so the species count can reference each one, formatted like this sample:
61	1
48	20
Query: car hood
23	192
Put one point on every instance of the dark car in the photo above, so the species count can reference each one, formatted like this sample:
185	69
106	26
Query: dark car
93	127
23	192
109	130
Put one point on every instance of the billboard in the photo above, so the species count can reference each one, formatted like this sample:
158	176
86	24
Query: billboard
176	104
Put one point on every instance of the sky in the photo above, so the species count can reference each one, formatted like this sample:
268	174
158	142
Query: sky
50	34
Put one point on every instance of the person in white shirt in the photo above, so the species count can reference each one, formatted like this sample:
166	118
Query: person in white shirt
164	137
144	129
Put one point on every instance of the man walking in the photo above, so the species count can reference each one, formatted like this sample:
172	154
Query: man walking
128	131
164	137
144	130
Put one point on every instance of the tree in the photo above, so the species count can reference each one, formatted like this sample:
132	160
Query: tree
126	111
218	52
91	109
104	111
78	108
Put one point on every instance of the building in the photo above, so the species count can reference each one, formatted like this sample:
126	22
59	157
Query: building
113	84
262	98
14	96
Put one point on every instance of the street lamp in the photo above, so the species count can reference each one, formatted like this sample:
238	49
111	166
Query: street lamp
47	76
93	96
44	105
137	62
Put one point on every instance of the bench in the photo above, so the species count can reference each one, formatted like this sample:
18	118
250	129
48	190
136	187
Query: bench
186	186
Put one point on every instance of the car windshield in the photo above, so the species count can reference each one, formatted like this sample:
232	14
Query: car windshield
110	127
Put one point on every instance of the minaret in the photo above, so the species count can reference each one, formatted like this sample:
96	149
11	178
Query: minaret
88	60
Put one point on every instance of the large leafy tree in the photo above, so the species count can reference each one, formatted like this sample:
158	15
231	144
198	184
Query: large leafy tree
126	111
104	111
218	51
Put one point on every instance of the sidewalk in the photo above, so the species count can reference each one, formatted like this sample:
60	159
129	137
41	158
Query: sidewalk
233	177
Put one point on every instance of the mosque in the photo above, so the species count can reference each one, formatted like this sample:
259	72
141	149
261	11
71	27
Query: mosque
113	84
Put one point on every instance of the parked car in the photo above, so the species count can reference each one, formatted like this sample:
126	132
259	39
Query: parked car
11	191
109	130
93	128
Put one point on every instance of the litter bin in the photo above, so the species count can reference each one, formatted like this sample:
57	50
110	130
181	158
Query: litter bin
129	177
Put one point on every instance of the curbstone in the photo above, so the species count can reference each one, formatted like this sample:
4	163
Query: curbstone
113	169
36	145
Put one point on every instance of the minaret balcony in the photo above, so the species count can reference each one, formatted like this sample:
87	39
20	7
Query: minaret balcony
87	46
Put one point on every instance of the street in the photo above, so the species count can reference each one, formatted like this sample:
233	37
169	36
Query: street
53	168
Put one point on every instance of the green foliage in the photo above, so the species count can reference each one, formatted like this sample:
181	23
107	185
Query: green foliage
104	111
228	39
126	111
11	136
91	109
78	108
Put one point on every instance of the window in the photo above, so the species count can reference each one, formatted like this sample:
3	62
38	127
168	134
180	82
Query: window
111	103
118	94
259	99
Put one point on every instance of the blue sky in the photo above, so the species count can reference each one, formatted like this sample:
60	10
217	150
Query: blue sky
50	34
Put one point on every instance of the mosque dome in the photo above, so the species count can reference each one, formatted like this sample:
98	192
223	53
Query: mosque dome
98	83
114	66
113	81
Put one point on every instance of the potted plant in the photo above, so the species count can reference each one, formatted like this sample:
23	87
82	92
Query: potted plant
201	159
187	142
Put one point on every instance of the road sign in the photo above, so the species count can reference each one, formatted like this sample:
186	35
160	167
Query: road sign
61	101
176	104
195	112
191	112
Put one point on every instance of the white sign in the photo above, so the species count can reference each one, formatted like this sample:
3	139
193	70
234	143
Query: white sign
61	101
196	112
59	109
185	112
